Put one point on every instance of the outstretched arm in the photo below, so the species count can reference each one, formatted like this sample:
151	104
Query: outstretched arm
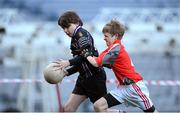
106	58
72	70
92	61
75	60
88	55
60	63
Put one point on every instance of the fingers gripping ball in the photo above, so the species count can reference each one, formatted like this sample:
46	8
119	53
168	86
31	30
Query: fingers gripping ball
52	75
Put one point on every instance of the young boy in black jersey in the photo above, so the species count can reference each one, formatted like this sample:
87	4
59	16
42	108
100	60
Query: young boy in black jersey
91	82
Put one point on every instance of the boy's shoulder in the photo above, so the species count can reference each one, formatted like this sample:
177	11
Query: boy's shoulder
81	32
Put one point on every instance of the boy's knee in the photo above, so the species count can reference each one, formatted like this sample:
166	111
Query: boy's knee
98	106
68	108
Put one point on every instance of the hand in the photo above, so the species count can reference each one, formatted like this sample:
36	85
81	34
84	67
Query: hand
60	64
85	53
65	72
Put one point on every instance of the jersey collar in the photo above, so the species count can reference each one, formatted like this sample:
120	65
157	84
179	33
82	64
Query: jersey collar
78	27
117	41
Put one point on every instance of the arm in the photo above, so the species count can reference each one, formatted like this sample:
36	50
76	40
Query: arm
92	61
106	58
60	63
72	70
75	60
84	42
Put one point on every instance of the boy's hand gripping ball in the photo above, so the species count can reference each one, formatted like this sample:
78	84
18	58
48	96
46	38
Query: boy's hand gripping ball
53	75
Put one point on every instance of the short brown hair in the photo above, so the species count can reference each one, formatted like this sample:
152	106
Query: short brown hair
69	17
114	27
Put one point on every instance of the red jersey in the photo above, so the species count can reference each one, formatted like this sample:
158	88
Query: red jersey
118	59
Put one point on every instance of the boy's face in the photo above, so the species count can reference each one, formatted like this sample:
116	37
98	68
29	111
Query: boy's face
70	30
109	39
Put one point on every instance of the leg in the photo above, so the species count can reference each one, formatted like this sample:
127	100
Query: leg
106	102
73	102
151	110
101	105
144	102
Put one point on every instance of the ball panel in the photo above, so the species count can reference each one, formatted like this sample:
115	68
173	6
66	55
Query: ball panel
52	75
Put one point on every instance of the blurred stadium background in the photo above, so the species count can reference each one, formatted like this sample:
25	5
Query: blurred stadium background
30	39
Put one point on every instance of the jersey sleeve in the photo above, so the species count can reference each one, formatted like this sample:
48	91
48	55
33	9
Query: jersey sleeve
109	56
72	70
85	40
76	60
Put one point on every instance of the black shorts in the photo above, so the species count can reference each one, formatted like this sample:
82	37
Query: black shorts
93	87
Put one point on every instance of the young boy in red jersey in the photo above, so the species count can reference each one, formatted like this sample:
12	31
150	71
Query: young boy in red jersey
131	89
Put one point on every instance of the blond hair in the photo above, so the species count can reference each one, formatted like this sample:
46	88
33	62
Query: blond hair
114	27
